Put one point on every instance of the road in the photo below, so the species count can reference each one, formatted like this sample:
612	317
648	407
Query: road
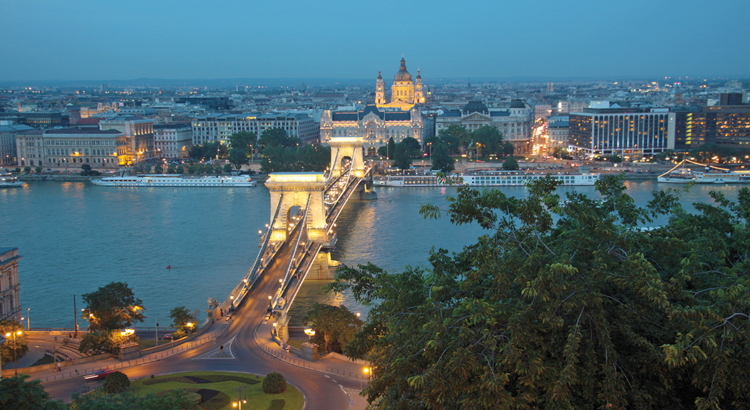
322	392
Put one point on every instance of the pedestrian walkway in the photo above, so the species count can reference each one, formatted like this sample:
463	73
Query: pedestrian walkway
326	364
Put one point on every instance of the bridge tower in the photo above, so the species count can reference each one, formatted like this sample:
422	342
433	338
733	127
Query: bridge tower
351	147
291	189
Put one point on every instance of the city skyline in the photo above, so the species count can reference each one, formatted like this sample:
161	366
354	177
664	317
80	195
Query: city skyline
543	40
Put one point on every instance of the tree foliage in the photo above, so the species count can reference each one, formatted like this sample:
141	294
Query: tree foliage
274	383
402	157
104	341
273	137
113	306
334	325
441	158
209	150
13	348
181	316
116	382
243	140
306	158
489	141
18	394
238	157
510	164
566	307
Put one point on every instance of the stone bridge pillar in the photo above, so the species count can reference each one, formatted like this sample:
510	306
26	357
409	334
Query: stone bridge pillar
352	147
295	187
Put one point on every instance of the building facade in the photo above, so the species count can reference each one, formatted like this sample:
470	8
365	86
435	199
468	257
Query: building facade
37	119
218	127
621	131
515	123
558	130
137	145
69	148
173	140
375	126
10	286
405	92
718	124
8	149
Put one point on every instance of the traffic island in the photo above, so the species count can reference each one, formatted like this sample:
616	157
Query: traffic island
219	390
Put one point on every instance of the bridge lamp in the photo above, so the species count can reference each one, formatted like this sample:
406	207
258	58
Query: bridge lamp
260	232
281	280
358	314
270	297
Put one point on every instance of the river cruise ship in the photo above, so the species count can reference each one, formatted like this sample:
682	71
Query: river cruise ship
711	175
174	180
9	181
484	179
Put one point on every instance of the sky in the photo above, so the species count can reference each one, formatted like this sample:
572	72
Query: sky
545	39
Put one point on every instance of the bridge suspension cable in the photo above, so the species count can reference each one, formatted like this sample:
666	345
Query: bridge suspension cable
285	279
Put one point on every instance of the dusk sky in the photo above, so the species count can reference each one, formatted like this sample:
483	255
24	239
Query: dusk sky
102	40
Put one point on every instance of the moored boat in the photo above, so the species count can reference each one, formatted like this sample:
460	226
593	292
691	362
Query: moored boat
173	180
9	181
484	179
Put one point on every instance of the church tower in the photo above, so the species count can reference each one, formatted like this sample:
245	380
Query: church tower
402	90
418	89
380	90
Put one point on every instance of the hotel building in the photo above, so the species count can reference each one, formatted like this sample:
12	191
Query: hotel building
218	127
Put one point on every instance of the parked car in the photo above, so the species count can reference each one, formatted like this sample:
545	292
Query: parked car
98	375
168	336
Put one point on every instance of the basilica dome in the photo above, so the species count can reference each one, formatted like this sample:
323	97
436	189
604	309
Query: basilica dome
402	74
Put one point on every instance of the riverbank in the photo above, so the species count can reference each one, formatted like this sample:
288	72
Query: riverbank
82	178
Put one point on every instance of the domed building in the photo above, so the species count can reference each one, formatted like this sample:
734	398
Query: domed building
405	92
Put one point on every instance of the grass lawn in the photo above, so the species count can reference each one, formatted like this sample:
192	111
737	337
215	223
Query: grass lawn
256	399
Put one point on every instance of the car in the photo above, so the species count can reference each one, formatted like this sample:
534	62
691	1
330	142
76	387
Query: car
98	375
168	336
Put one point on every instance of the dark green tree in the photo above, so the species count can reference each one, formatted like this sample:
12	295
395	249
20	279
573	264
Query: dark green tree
26	170
274	383
227	168
572	306
104	341
489	140
510	164
38	170
18	394
158	169
192	169
181	316
455	134
335	325
180	170
116	382
243	140
113	306
238	157
413	147
14	347
273	137
508	148
171	169
391	148
402	158
441	158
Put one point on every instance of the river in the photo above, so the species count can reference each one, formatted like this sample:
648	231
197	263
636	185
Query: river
75	237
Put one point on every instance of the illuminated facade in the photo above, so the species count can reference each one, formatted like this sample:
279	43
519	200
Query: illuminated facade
515	123
219	127
719	124
291	190
621	131
10	286
8	149
69	148
173	140
137	145
375	127
405	92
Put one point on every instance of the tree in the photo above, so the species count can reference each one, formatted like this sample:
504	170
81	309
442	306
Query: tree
273	137
412	146
238	157
382	151
573	306
243	140
180	170
510	164
391	148
146	168
104	341
196	152
307	158
227	168
13	348
192	169
100	400
334	325
171	169
38	170
614	158
26	170
455	133
489	140
274	383
402	158
18	394
113	306
181	316
441	158
508	148
116	382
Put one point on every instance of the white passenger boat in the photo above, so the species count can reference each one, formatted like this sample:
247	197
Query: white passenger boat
174	180
711	175
485	179
724	177
9	181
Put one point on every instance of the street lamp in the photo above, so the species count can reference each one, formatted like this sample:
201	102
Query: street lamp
28	318
15	348
310	332
190	327
239	403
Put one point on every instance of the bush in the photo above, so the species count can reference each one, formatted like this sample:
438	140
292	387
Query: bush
116	382
274	383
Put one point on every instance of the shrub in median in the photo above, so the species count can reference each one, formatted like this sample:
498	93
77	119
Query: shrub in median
274	383
116	382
